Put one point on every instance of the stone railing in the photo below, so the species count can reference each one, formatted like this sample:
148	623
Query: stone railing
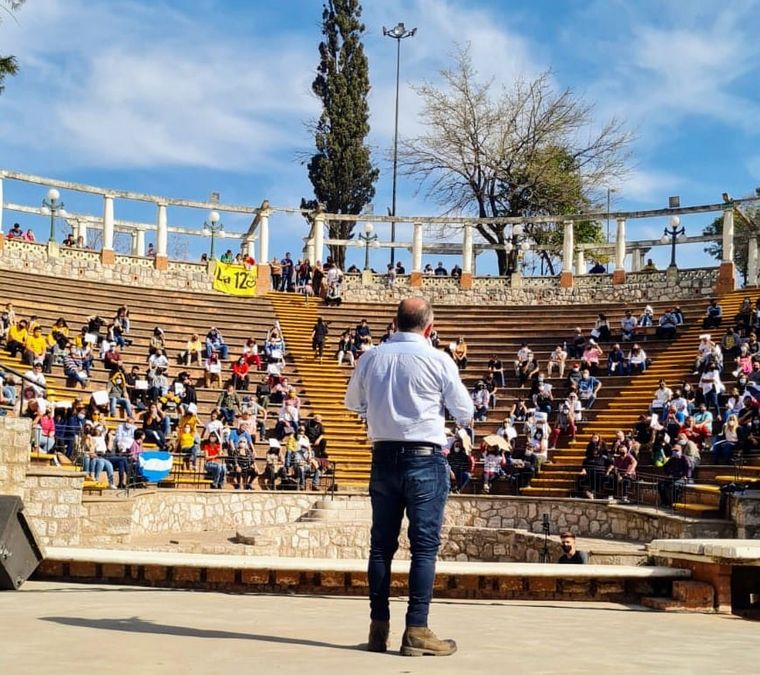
75	263
134	261
181	275
588	288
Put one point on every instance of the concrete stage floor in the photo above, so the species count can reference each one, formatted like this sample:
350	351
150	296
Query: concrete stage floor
67	628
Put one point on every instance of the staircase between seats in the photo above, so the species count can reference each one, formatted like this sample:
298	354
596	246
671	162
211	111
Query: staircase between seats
324	389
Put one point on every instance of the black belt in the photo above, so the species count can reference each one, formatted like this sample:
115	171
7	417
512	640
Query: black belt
406	447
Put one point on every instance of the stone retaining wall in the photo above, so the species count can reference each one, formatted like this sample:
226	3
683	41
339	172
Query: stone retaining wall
53	505
154	513
638	288
14	454
116	520
126	270
598	288
745	512
461	544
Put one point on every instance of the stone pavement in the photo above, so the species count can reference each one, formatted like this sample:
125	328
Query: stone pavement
66	628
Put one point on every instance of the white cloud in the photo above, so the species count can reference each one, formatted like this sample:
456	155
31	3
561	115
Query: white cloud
144	86
648	186
681	65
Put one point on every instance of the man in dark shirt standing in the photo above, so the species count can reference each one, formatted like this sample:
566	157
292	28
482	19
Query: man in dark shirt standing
570	555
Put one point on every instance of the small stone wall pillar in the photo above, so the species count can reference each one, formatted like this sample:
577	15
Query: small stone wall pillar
726	274
618	276
566	276
162	239
264	279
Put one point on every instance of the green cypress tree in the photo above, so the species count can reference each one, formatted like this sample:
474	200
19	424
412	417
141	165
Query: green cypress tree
341	170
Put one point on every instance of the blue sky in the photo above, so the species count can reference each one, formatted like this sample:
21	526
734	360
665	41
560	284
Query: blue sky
186	98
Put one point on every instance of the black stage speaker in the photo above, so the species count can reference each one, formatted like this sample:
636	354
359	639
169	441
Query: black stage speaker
19	551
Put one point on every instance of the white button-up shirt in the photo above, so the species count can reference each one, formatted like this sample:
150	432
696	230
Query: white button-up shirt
402	387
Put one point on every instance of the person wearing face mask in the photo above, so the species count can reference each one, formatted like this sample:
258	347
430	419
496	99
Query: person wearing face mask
678	471
480	401
571	556
588	388
461	464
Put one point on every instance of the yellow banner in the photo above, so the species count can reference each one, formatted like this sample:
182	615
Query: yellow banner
235	279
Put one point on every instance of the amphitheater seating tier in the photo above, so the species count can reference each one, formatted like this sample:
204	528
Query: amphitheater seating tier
487	329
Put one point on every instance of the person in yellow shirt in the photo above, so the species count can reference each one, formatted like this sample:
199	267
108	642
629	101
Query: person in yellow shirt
193	351
188	439
59	333
35	347
17	335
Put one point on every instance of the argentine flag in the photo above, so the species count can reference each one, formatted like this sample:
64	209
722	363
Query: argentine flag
154	465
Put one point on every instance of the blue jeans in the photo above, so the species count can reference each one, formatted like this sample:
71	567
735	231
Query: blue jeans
419	485
124	403
218	472
96	465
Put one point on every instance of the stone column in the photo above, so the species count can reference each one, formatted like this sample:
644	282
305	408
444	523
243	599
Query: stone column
264	237
162	239
726	273
80	230
566	277
636	260
466	280
2	208
319	236
580	261
264	278
308	251
752	262
138	242
107	255
415	280
618	275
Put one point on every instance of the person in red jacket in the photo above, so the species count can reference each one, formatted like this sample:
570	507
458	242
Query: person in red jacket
240	374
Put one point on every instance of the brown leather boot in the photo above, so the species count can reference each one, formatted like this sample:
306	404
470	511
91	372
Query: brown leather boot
378	636
421	641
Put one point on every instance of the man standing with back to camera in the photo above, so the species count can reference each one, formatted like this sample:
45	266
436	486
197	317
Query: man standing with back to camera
402	388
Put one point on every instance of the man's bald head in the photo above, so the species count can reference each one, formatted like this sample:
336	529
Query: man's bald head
414	315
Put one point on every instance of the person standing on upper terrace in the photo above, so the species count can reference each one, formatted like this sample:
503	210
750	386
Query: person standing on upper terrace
403	388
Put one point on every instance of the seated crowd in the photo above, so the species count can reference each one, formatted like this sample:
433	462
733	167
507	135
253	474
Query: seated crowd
159	411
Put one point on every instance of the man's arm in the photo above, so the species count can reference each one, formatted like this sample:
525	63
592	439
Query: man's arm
356	397
456	398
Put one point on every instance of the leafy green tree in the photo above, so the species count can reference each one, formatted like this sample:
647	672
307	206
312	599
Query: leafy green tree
341	170
8	64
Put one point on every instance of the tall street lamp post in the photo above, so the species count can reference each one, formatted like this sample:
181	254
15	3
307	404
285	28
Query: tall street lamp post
212	227
673	234
398	33
53	205
368	238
